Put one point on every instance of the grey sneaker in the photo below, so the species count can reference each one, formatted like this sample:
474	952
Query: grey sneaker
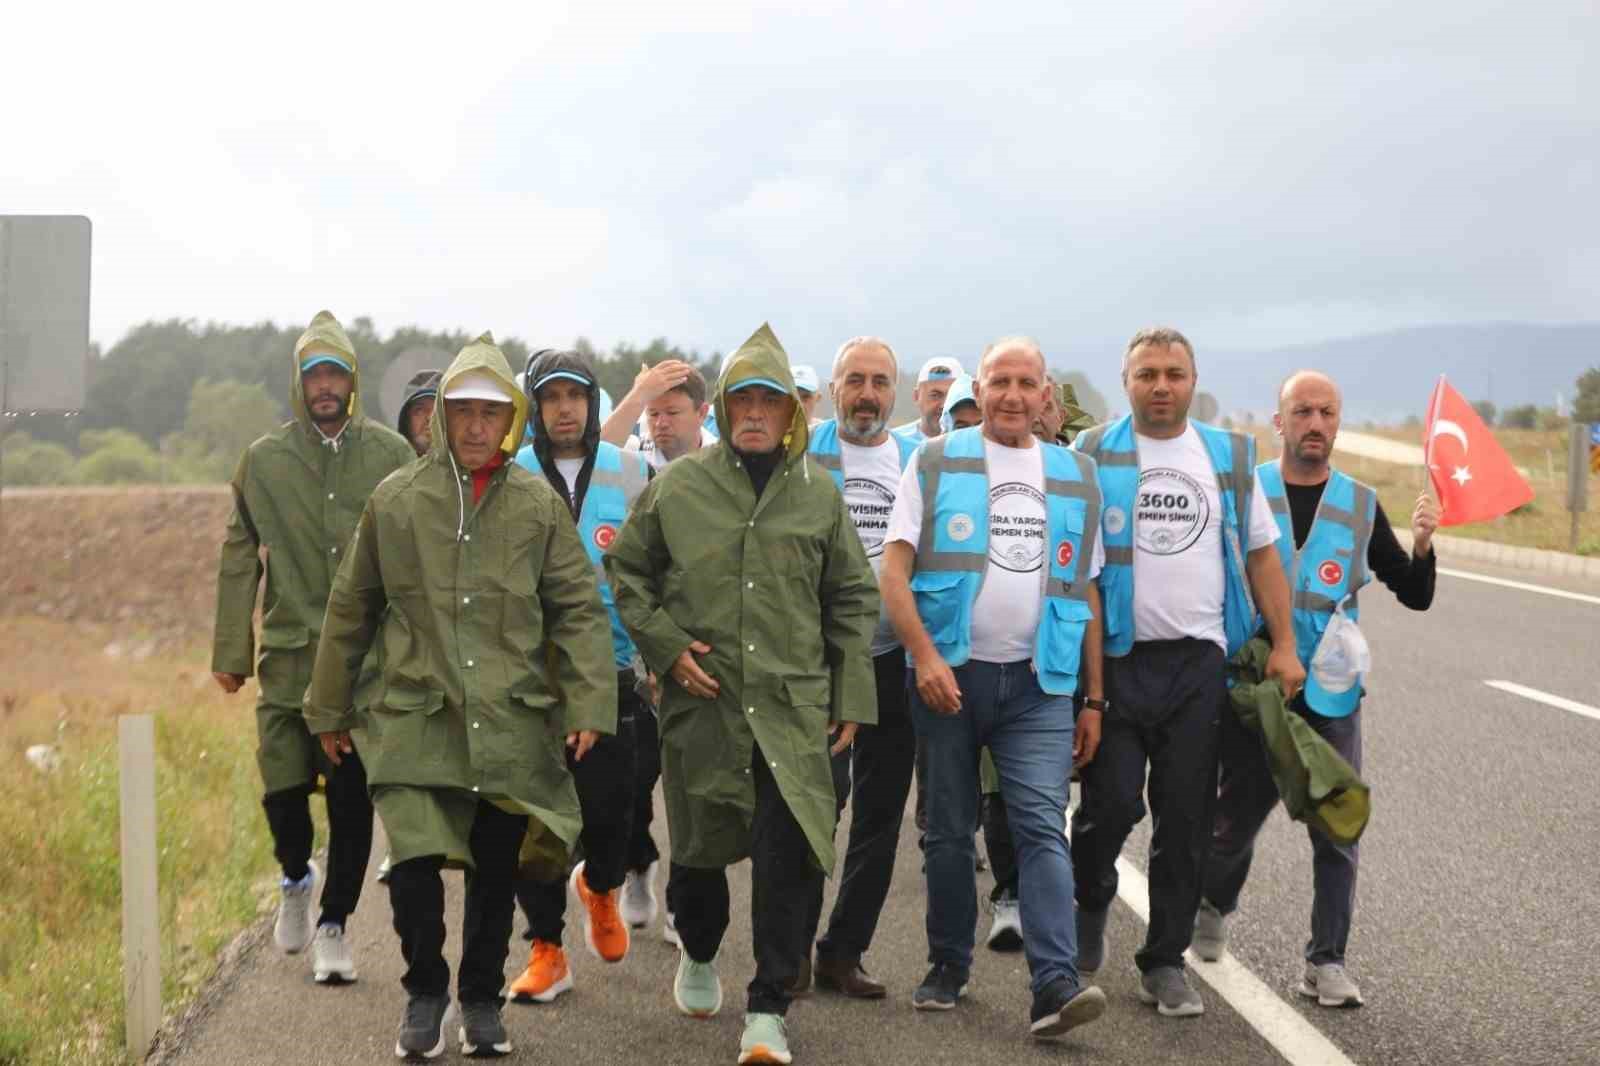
1210	932
331	959
1093	944
1168	988
944	985
483	1034
1005	934
638	903
422	1028
1330	986
296	925
1063	1006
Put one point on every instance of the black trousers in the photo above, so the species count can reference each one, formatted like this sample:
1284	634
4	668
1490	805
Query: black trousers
642	850
784	877
416	894
605	783
1167	698
877	783
349	834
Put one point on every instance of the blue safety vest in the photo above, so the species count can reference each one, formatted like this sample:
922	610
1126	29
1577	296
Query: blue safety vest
1113	448
614	483
911	431
1329	566
953	552
824	448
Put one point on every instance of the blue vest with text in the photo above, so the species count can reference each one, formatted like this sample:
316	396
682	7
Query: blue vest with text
615	482
824	448
953	552
1329	566
1114	449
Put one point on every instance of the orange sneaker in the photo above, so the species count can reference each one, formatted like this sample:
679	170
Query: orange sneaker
603	928
545	978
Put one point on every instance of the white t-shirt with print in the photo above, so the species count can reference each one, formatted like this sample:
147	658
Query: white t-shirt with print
871	479
646	446
1005	618
1178	574
570	469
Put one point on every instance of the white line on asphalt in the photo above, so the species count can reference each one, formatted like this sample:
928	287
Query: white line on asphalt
1544	697
1296	1039
1523	585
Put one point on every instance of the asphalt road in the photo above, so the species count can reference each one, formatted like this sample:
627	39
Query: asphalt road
1476	940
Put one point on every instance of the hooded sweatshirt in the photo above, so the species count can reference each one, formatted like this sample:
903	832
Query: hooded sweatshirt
422	383
960	392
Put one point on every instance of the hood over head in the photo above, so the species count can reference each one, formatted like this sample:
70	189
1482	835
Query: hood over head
551	364
323	341
761	359
483	362
1074	419
423	383
960	392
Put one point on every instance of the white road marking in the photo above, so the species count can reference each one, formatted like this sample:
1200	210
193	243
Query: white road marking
1523	585
1544	697
1296	1039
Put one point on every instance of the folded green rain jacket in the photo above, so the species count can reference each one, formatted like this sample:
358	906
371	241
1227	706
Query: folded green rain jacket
297	497
491	635
1317	785
780	588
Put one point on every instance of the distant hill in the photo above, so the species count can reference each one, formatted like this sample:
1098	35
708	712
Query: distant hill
1388	376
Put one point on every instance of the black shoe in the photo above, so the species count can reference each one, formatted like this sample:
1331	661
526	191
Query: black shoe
482	1033
941	988
1061	1006
422	1028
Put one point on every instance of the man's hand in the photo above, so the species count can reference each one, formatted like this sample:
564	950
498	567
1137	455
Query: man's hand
844	735
1086	737
653	685
580	742
936	684
1283	665
335	743
688	675
652	382
230	683
1424	520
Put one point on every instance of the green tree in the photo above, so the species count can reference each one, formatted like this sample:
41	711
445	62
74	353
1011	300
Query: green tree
116	456
1524	417
25	461
1486	411
1586	408
224	417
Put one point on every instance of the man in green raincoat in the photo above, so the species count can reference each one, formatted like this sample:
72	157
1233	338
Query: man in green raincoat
467	574
741	578
297	493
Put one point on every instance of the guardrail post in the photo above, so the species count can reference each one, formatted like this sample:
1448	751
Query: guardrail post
141	928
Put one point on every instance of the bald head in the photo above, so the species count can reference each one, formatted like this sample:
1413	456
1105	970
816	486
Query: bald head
1309	407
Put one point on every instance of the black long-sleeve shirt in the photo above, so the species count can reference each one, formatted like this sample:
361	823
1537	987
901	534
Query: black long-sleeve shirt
1411	579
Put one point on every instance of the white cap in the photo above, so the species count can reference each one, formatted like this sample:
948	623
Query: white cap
805	377
939	368
477	385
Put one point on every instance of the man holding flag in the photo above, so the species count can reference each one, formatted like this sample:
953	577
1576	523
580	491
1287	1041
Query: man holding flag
1334	537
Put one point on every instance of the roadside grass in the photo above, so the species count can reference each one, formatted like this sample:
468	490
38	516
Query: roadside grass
1544	523
60	931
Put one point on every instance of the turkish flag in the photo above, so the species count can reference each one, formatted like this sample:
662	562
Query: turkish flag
1472	475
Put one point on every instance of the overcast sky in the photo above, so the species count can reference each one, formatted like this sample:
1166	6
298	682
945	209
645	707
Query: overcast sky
1252	173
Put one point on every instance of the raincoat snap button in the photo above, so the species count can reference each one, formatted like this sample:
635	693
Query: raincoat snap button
749	584
330	495
749	647
469	662
750	710
476	724
467	537
466	599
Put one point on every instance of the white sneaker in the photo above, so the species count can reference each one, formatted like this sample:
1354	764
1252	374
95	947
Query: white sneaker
384	867
296	925
1330	986
1006	932
639	897
331	959
669	931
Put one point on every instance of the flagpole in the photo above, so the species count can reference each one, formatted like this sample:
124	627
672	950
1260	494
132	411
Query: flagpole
1427	450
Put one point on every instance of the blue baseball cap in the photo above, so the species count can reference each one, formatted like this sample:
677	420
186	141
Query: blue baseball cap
768	382
570	375
325	357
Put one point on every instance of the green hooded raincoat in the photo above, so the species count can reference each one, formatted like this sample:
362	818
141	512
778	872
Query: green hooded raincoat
492	639
297	497
780	589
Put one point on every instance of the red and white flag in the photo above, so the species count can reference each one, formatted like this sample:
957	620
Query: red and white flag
1472	475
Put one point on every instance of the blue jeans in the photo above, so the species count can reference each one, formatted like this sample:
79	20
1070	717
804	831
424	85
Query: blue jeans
1029	734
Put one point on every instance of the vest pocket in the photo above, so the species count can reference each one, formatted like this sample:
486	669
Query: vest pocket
943	605
1062	642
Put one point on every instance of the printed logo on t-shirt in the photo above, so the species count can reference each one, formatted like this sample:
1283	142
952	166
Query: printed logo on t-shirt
1171	512
870	503
1330	572
603	536
1016	527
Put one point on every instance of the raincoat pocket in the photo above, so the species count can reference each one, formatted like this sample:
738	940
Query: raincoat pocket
407	732
285	636
808	691
943	605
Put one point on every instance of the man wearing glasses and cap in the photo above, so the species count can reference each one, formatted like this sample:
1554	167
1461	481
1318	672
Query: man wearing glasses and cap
297	494
933	384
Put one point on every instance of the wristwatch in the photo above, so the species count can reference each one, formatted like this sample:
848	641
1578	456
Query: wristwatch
1096	705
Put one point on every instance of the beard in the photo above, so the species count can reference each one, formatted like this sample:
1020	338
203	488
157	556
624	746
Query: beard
335	415
854	427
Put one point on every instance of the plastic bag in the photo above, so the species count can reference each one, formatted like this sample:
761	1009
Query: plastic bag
1342	654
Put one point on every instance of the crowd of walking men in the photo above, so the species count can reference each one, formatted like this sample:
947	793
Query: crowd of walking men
498	627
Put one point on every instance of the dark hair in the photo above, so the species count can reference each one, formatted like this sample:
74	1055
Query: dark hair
694	387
